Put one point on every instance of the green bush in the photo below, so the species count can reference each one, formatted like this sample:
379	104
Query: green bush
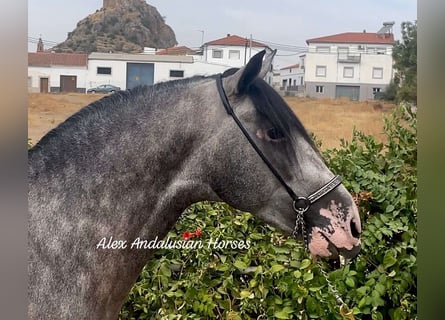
274	278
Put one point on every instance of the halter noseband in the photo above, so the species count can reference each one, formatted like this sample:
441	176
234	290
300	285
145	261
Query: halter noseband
300	204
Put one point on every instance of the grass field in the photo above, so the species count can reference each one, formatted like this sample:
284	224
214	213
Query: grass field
329	119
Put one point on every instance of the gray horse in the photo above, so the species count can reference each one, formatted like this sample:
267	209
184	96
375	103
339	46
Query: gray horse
128	165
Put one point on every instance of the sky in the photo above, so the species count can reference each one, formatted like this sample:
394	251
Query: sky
284	22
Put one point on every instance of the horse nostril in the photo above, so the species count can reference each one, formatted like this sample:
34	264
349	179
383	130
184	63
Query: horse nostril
355	233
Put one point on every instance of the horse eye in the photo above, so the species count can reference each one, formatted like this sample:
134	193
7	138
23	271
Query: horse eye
275	134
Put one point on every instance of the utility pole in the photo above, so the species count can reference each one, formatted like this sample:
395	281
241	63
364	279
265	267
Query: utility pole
202	36
202	42
245	51
250	47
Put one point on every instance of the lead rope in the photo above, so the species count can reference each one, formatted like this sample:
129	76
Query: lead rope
344	310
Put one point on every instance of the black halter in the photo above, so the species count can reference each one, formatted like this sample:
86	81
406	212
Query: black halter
300	204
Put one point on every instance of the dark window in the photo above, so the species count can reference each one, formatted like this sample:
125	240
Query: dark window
103	70
319	89
177	73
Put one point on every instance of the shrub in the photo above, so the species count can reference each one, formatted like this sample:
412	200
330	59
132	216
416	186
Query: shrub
274	277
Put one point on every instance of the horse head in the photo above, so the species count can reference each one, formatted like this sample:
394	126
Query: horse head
284	170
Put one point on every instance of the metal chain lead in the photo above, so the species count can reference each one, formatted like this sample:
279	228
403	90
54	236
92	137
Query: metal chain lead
344	310
300	227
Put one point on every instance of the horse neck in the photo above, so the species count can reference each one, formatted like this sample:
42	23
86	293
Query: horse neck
129	175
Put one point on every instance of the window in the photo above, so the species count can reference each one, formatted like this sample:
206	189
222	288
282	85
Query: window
348	72
375	90
217	54
177	73
377	73
319	89
320	71
30	82
233	54
103	70
322	49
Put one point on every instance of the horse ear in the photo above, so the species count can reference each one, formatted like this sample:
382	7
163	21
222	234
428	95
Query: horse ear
239	81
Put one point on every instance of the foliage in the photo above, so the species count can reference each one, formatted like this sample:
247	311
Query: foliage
405	63
274	278
390	93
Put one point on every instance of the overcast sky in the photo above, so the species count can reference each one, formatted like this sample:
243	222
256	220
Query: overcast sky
288	22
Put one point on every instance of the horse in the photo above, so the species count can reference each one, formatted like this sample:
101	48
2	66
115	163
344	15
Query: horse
127	166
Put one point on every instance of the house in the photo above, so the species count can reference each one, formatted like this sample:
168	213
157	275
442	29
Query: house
353	64
130	70
291	79
231	51
57	72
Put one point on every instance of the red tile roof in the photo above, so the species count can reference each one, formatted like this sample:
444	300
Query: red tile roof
355	37
291	67
176	51
46	59
234	40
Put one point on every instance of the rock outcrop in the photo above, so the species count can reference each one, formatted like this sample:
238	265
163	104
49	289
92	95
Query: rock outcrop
120	26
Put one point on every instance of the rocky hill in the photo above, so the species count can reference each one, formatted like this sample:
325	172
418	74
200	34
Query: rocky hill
120	26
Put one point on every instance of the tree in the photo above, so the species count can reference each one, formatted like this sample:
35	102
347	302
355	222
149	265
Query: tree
405	63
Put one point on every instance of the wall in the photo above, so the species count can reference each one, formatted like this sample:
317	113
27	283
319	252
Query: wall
54	73
161	71
208	57
117	77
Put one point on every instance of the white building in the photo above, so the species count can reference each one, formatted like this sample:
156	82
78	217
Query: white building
291	79
57	72
63	72
231	51
353	64
129	70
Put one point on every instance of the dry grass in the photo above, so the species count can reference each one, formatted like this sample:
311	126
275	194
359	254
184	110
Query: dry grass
334	119
329	119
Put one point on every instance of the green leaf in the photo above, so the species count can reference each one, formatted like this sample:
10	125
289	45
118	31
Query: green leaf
276	268
240	264
389	260
308	276
350	282
246	294
305	263
282	315
165	270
